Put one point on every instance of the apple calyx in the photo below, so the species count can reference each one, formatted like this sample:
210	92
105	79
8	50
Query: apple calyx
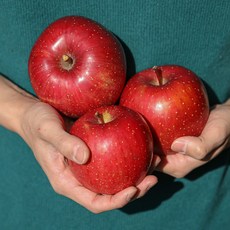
67	62
104	117
160	80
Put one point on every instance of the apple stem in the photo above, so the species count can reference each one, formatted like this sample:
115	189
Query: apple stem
100	118
158	73
67	62
67	58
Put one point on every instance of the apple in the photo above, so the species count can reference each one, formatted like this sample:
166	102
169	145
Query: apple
76	64
121	146
172	99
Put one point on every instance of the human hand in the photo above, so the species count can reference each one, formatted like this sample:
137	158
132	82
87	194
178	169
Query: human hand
192	152
43	130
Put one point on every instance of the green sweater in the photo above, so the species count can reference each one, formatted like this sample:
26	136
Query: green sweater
191	33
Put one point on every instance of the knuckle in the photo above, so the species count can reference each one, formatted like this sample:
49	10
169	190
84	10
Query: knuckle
182	171
221	132
64	145
95	211
61	140
178	174
57	188
200	152
92	208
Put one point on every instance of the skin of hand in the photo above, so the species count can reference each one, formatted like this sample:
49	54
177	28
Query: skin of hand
43	129
193	152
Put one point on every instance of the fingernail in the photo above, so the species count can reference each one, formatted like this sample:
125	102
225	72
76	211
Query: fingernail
79	155
179	146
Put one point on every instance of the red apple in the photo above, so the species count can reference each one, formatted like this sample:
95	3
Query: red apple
76	65
172	99
121	147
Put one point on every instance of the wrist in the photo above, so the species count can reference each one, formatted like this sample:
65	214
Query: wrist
14	102
23	103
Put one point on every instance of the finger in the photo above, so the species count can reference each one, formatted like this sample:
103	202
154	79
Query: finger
68	186
155	161
178	165
146	185
98	203
197	147
68	145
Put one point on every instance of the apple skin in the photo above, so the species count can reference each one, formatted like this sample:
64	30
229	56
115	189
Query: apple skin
121	146
172	99
76	64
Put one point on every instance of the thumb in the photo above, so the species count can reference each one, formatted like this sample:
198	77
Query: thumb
196	147
212	140
72	147
200	147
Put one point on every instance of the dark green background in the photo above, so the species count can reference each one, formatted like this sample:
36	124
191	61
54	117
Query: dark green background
195	34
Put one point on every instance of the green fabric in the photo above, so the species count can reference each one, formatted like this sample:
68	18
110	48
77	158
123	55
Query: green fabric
192	33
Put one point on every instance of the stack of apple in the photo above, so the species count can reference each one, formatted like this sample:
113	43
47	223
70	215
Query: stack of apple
79	68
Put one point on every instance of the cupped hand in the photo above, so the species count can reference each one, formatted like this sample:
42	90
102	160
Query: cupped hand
44	131
192	152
